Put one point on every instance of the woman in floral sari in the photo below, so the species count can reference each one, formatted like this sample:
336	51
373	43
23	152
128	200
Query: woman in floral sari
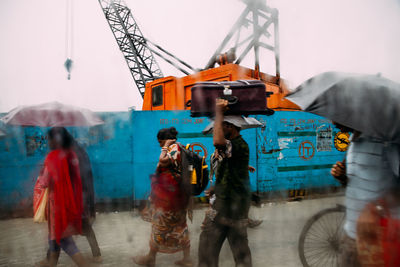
169	204
64	205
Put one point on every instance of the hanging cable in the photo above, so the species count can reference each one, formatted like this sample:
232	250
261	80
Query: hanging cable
69	37
72	28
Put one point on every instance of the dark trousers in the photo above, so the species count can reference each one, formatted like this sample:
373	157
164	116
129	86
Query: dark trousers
87	231
212	238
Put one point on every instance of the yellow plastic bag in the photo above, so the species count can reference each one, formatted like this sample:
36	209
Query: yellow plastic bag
40	209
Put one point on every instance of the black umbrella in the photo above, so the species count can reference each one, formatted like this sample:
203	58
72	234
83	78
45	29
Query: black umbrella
367	103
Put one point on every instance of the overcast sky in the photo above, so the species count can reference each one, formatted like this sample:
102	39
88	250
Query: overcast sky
315	36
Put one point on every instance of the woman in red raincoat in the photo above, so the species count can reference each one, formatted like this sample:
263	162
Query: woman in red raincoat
61	176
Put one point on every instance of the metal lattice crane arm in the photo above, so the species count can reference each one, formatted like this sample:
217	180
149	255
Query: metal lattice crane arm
262	18
131	42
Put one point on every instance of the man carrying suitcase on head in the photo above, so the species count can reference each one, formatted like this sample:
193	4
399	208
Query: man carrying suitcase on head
233	195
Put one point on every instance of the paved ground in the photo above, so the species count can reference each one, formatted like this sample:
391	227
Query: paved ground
122	235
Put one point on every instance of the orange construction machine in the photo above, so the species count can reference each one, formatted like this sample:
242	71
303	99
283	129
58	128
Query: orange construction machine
172	93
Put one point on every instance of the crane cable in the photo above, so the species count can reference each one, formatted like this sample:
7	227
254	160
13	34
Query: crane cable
69	37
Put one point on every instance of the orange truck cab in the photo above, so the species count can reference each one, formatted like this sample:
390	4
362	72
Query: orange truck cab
172	93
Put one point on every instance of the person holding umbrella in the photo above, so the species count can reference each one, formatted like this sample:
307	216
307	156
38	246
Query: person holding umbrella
369	177
369	106
61	176
89	212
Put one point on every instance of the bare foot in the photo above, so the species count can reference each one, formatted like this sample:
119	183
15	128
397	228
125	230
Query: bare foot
144	260
254	223
184	262
42	263
97	259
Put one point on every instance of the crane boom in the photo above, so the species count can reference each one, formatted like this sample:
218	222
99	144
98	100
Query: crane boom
140	59
262	18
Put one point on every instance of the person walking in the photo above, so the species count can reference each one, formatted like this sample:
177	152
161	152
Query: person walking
232	196
370	172
89	212
169	203
61	176
210	193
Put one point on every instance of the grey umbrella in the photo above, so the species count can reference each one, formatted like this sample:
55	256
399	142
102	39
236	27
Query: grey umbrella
242	122
51	114
367	103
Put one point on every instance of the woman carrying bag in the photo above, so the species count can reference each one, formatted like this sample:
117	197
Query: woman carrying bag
61	178
169	203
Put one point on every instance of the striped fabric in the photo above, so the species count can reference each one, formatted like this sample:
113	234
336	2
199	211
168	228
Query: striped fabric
370	176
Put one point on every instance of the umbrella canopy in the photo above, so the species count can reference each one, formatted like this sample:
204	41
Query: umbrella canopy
51	115
239	121
367	103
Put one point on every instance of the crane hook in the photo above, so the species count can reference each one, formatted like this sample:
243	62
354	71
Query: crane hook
68	66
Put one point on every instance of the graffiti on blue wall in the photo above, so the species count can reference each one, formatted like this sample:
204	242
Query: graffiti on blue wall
294	150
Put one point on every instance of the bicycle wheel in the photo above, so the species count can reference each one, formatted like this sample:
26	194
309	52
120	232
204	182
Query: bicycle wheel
319	239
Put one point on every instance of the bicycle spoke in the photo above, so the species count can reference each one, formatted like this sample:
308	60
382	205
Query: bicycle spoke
336	263
317	231
316	237
327	224
318	255
310	250
320	241
331	255
322	256
318	228
316	249
339	224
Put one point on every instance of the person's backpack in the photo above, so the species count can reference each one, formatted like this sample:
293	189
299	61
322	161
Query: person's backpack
194	171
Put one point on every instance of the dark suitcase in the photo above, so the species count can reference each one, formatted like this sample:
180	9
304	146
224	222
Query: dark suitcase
245	97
